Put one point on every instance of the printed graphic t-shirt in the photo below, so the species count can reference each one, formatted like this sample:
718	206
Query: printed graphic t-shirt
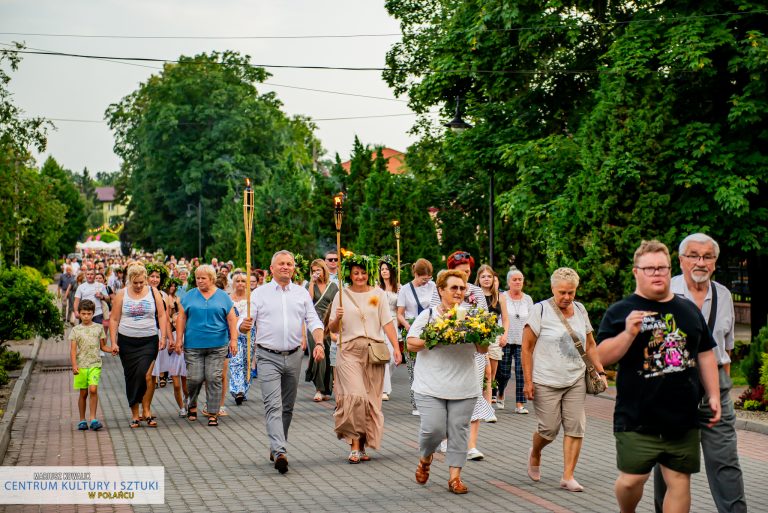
657	385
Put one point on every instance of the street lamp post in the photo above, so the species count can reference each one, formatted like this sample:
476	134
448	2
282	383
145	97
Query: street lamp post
457	124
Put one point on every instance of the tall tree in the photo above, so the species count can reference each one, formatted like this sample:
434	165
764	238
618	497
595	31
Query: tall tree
65	191
189	134
603	123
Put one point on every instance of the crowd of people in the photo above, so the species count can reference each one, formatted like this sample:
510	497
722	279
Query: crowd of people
671	339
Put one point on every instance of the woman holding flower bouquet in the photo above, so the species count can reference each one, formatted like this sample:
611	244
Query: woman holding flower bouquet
554	373
359	380
445	382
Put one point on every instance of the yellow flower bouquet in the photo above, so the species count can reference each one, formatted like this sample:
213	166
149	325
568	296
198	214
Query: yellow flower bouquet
459	326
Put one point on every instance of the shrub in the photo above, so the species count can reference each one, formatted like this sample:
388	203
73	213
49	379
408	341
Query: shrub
4	379
10	359
750	365
49	269
753	399
26	306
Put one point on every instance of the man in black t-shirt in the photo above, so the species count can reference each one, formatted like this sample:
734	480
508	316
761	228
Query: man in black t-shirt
663	347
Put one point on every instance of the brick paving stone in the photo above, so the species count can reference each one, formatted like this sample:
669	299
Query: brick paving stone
227	468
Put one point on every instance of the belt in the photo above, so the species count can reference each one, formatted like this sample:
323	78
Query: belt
282	353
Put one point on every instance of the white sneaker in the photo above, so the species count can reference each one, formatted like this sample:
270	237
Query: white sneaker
182	412
500	404
385	396
474	454
415	412
444	446
491	419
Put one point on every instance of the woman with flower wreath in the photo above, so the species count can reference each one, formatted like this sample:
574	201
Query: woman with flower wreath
157	278
177	367
445	383
322	290
389	284
359	381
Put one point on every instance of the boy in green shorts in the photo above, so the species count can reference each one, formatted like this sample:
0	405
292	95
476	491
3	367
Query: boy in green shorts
86	339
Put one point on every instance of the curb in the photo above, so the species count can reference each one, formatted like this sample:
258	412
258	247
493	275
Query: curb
17	399
742	424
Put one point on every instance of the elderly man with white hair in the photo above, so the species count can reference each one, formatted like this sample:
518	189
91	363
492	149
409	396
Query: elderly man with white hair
698	256
279	310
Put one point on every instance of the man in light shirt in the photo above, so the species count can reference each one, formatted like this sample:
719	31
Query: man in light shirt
332	261
698	256
279	310
93	290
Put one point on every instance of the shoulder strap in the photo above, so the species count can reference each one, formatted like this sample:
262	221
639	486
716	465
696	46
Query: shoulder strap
576	339
154	300
712	308
416	297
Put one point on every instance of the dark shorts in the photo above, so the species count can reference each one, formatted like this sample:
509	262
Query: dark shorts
637	453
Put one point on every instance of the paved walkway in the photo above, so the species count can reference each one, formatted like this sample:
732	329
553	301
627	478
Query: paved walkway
226	468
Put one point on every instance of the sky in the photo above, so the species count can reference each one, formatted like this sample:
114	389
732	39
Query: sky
66	88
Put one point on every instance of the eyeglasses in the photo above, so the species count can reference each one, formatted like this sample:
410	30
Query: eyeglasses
454	288
650	271
460	257
695	258
331	259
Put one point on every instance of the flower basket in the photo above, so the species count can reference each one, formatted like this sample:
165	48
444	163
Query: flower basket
459	326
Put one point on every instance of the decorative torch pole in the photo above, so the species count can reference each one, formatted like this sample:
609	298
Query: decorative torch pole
338	215
396	224
248	226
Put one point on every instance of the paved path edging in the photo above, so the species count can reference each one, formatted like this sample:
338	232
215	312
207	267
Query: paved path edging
17	399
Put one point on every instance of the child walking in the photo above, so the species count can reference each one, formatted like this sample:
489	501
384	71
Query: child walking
86	339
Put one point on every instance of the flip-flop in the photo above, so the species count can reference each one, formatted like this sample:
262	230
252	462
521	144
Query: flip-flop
134	424
151	422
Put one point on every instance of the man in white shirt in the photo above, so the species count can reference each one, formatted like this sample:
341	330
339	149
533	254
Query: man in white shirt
280	309
93	290
332	261
698	256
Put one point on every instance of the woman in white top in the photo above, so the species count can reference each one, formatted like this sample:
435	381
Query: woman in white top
519	305
554	373
135	322
389	284
445	385
412	299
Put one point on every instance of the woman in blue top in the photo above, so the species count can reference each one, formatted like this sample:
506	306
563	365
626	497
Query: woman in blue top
205	322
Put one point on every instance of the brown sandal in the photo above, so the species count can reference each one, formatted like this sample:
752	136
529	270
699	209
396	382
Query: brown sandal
422	470
456	486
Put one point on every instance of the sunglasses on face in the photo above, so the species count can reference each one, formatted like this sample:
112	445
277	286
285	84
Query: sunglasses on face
331	259
460	257
454	288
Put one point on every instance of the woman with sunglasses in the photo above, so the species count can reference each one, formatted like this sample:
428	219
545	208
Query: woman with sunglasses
445	386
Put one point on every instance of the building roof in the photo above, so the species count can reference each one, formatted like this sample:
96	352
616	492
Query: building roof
105	194
395	161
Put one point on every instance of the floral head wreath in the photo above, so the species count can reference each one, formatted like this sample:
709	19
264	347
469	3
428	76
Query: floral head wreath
301	270
369	263
389	260
173	281
160	269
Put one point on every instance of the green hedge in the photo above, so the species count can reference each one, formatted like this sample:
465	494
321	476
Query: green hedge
26	307
750	365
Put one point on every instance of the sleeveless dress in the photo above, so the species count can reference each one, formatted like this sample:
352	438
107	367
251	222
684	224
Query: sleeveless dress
238	364
392	301
166	360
